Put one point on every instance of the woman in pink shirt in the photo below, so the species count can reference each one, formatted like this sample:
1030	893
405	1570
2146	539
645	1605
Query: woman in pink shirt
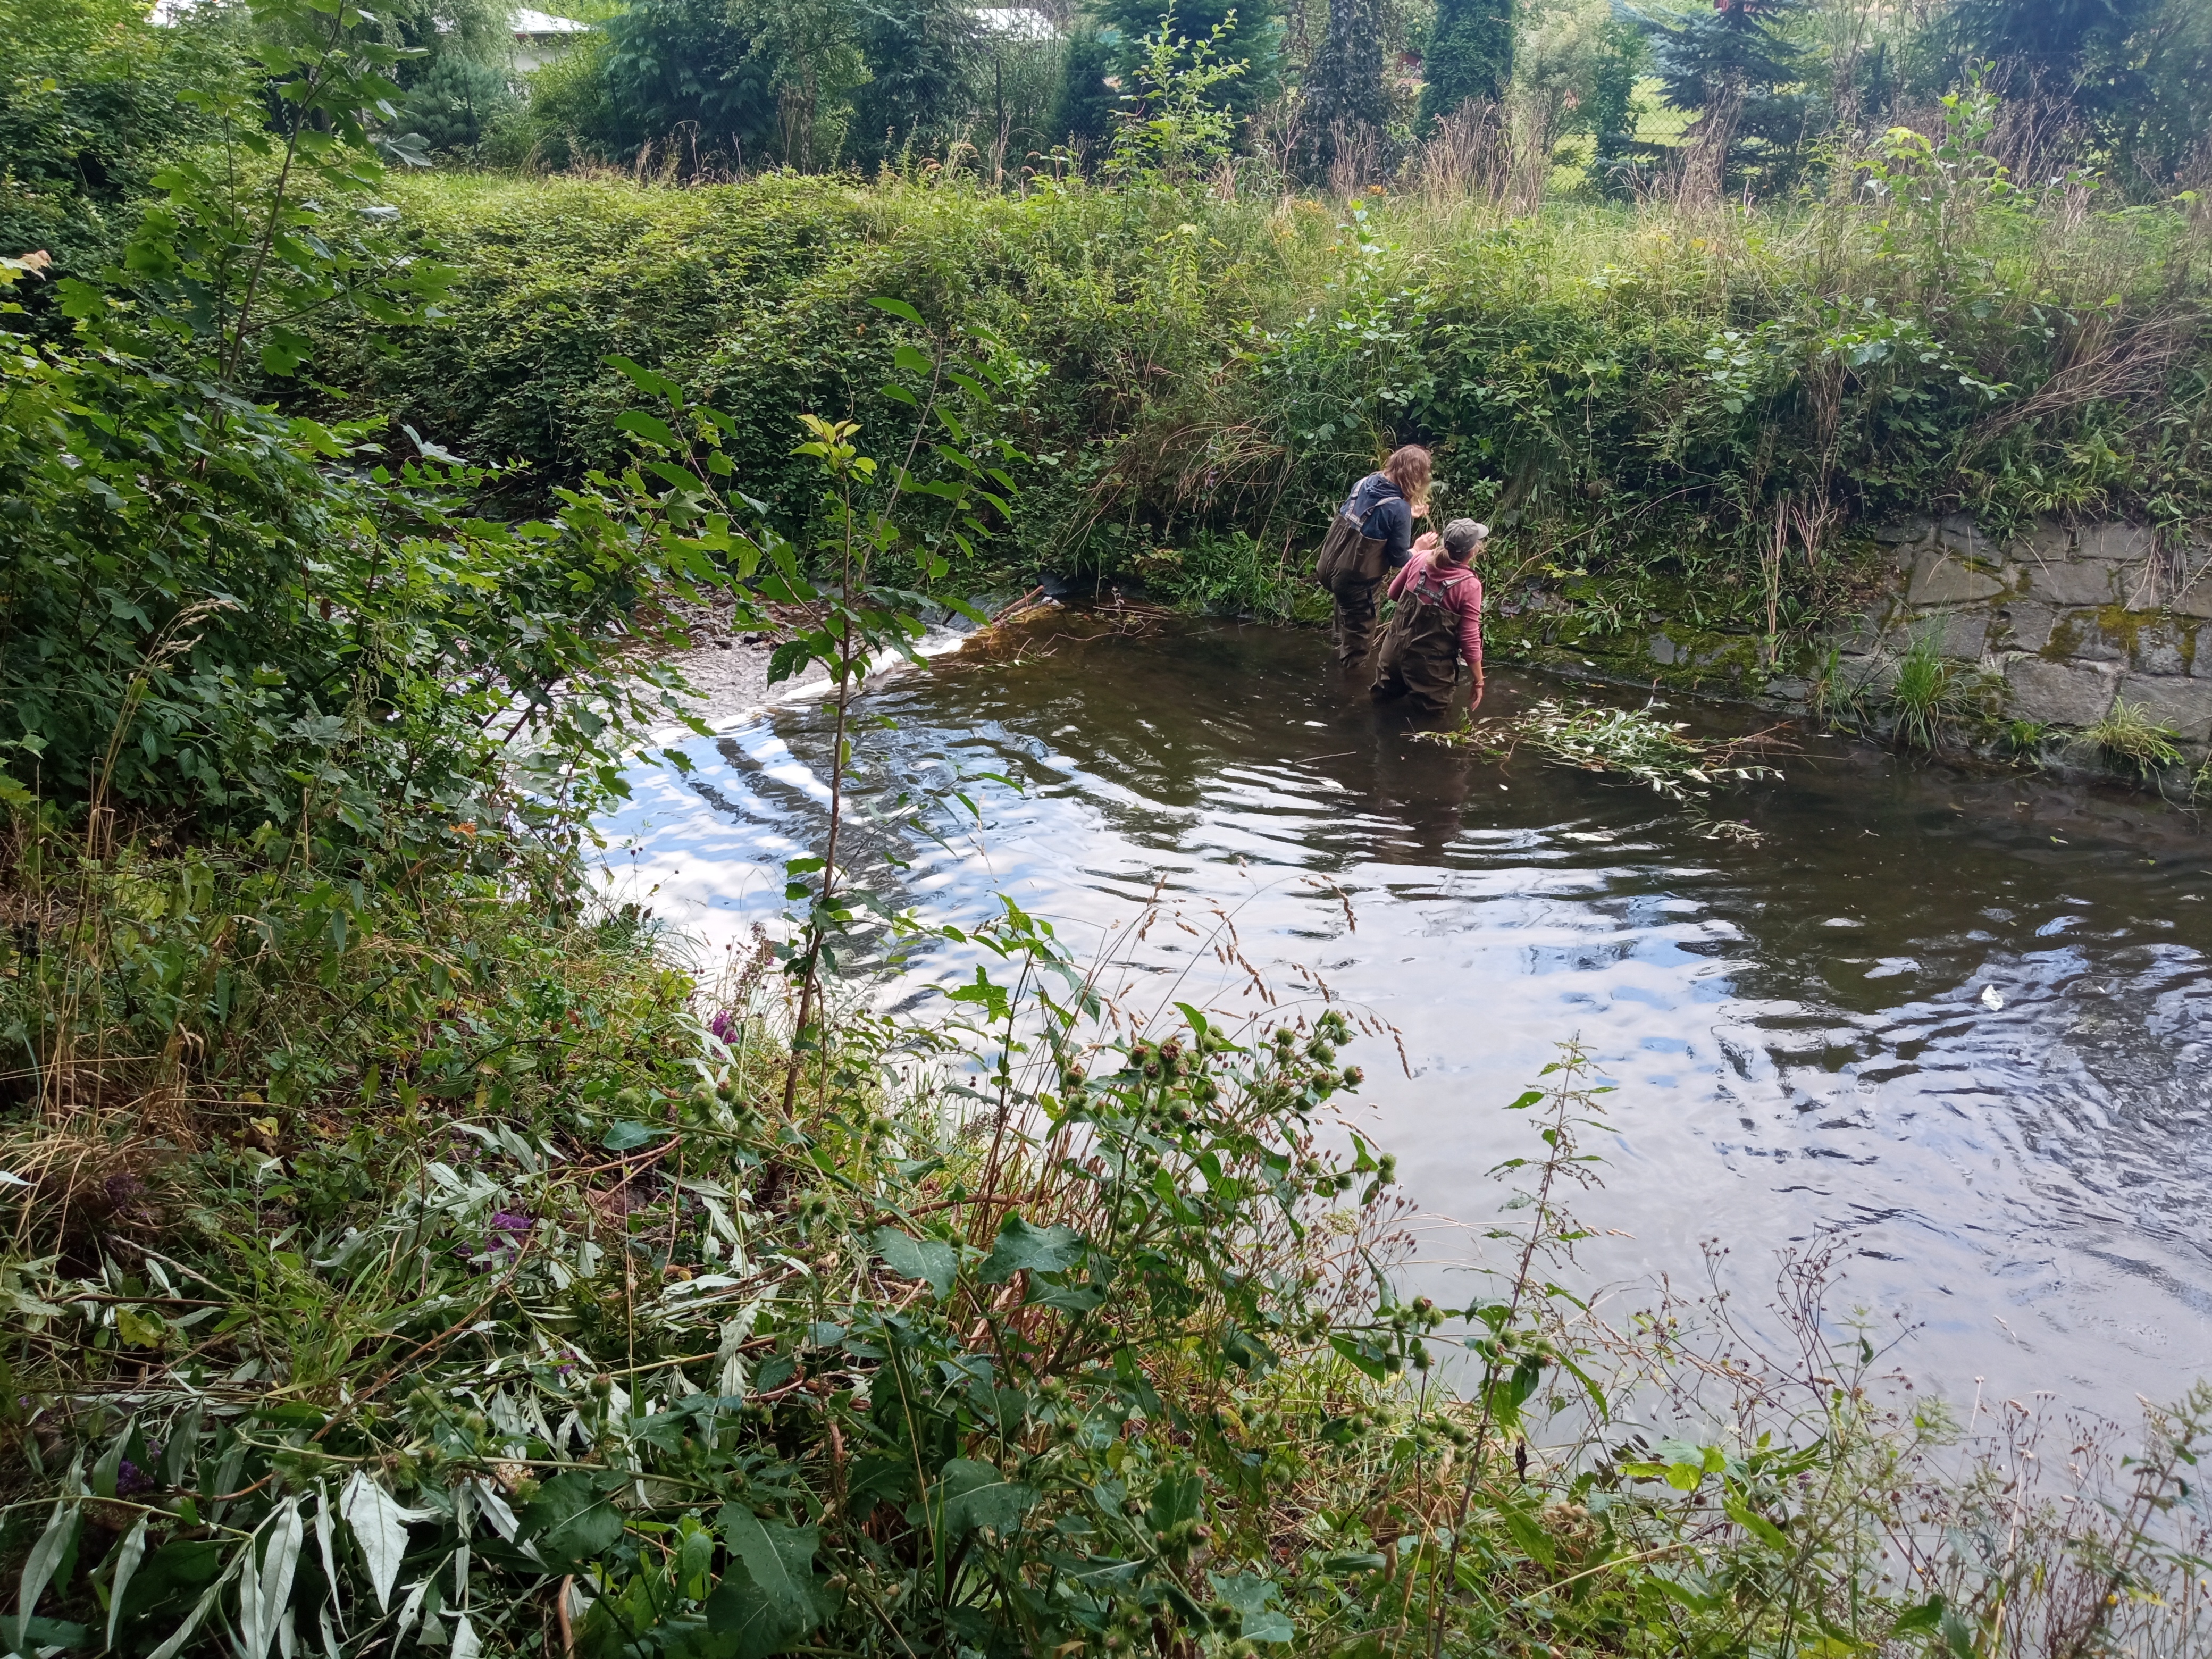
1439	621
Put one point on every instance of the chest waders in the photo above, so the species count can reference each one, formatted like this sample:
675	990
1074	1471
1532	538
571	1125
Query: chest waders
1351	566
1419	659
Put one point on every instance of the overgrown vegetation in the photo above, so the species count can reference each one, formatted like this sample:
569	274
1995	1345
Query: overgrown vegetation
1667	414
406	1249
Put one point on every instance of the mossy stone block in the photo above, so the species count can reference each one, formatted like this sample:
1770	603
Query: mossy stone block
2182	706
2058	693
1945	578
2074	582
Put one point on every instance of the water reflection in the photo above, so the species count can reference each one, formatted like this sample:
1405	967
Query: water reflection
1798	1028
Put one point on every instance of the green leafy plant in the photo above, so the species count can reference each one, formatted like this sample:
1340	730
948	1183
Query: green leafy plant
1635	742
1929	694
243	616
1170	131
2128	737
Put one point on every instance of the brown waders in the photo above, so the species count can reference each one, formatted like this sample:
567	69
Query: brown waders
1354	628
1419	660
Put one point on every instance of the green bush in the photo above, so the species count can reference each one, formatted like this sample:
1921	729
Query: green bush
1636	394
89	110
228	615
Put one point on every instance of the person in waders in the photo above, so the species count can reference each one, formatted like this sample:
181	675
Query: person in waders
1371	539
1437	622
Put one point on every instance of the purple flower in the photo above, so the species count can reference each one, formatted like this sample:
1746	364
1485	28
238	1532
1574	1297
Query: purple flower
505	1239
129	1478
724	1025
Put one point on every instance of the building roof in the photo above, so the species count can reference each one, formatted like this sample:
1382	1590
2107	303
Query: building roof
530	24
1019	22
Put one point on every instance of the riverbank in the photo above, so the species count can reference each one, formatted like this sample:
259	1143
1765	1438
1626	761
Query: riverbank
2069	649
1717	405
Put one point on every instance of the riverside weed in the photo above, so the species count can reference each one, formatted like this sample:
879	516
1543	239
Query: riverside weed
1633	743
1930	696
2128	737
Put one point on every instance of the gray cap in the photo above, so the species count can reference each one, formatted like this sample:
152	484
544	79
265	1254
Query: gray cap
1463	536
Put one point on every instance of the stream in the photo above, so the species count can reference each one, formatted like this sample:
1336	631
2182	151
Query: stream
1957	1020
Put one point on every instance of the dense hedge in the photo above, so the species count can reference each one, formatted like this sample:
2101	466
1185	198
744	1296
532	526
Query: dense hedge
1642	391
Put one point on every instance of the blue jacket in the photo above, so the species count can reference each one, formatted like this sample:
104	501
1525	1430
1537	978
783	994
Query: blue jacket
1384	514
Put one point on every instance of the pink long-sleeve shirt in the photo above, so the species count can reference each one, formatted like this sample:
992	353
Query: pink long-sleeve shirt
1462	593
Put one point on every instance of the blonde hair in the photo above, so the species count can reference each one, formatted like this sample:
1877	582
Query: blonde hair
1408	469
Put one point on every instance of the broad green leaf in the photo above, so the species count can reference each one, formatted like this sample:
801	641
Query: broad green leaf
929	1259
977	1495
571	1521
1914	1620
767	1600
1253	1597
1756	1524
653	384
899	308
1021	1247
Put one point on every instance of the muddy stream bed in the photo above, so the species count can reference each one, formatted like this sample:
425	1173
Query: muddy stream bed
1797	1030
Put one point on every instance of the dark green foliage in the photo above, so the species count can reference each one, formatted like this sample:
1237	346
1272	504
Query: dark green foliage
1643	403
1469	58
922	58
1341	105
1738	65
2137	74
1084	113
455	105
2048	43
685	67
221	613
88	112
1739	47
1254	36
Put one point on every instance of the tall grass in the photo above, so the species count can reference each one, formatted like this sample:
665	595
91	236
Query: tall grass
1635	393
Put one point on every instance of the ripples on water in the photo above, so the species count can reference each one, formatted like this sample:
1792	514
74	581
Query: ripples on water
1796	1029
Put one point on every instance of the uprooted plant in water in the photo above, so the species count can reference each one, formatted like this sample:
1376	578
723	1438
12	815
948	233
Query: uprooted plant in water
1635	744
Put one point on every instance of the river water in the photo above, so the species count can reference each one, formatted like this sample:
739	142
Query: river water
1797	1030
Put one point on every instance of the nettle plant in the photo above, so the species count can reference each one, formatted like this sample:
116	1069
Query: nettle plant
992	1367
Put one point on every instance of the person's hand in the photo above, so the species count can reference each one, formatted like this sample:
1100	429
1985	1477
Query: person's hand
1476	702
1429	542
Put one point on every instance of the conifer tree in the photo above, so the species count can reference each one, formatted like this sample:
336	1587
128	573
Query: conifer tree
1469	59
1343	98
1084	113
1737	67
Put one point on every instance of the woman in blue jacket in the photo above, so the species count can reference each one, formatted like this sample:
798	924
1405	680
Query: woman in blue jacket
1383	504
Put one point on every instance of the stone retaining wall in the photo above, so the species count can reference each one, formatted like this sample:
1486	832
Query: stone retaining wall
2070	620
2057	625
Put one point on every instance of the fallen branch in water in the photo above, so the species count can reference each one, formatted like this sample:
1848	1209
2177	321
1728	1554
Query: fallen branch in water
1634	743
